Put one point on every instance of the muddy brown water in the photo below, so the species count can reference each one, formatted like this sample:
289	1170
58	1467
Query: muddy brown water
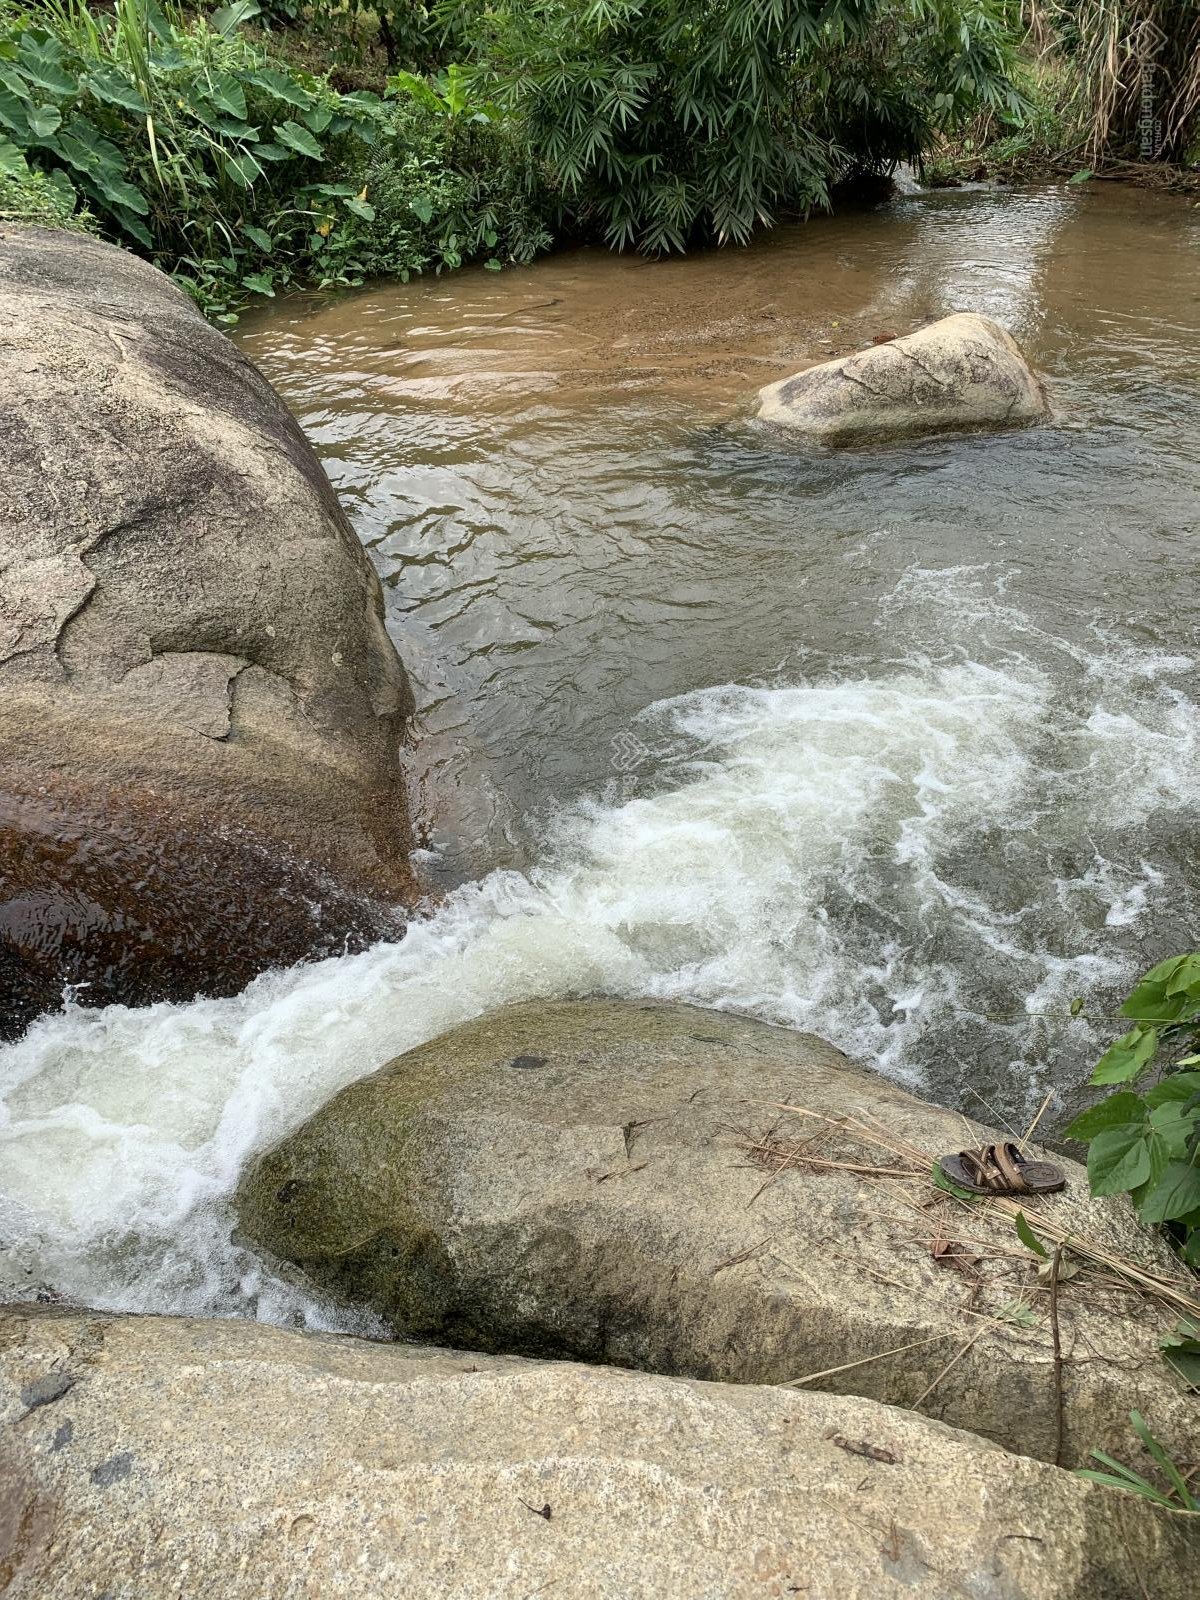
899	745
558	475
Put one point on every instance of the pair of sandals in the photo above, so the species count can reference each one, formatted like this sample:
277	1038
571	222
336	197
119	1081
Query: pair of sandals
1001	1169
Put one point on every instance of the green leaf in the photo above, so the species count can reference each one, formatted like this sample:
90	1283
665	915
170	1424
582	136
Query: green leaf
229	18
59	181
84	158
271	152
44	120
41	61
1111	1112
1123	1478
1186	977
1154	999
282	87
1175	1195
1018	1313
155	20
418	89
299	139
941	1181
361	208
1172	1125
135	228
260	237
1122	1061
1160	1154
1119	1158
227	94
1181	1350
1178	1086
12	162
229	126
259	283
1029	1239
241	168
120	193
1170	1470
422	208
113	87
1081	176
12	115
318	119
1184	1360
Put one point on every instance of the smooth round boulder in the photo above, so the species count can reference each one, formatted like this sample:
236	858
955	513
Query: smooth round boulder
201	711
962	372
623	1182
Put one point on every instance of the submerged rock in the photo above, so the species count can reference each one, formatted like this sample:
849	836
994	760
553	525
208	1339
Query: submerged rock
964	371
581	1179
235	1460
200	708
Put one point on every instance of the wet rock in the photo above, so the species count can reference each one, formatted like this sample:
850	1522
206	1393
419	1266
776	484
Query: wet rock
200	709
641	1199
964	371
269	1463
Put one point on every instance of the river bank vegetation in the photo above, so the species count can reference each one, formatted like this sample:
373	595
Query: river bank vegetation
256	146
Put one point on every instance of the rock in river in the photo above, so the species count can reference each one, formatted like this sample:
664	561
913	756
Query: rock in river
616	1182
964	371
200	708
150	1457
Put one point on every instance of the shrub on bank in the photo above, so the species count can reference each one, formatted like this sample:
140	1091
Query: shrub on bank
234	171
1146	1142
1113	86
663	122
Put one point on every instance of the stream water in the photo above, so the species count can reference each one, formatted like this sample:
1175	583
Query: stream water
899	745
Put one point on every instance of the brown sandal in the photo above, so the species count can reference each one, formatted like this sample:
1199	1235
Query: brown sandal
1001	1169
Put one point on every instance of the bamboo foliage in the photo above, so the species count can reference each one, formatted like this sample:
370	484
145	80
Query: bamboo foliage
1136	67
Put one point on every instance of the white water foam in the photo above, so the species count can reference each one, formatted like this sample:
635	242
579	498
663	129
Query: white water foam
803	854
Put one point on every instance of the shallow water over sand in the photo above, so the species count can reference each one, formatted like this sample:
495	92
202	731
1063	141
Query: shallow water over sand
900	745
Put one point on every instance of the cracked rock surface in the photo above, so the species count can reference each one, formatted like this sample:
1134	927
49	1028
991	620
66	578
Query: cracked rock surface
167	1457
962	372
200	708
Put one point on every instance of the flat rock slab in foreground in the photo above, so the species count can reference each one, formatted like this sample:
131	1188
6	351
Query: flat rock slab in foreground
143	1458
962	372
576	1179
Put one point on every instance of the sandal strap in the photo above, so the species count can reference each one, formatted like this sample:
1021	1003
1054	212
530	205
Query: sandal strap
1010	1161
984	1169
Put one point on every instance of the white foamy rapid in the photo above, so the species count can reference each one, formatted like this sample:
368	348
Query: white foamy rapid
808	853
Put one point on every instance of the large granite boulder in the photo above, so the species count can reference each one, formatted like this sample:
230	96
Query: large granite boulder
964	371
614	1182
147	1457
200	708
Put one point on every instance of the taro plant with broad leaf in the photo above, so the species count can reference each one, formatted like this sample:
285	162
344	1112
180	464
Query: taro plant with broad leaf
239	173
1145	1141
183	139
